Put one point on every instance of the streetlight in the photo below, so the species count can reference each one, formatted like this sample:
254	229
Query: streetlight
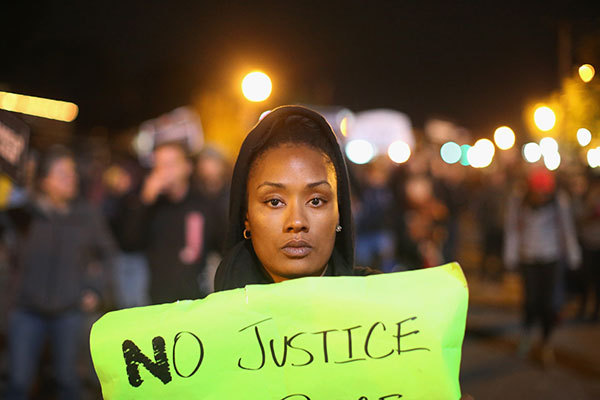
256	86
544	118
586	72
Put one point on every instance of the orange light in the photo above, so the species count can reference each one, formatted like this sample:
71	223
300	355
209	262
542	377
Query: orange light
586	72
38	107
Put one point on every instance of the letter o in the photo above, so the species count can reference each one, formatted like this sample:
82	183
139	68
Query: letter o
177	337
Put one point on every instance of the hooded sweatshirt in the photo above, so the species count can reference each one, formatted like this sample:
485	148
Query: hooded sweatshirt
240	266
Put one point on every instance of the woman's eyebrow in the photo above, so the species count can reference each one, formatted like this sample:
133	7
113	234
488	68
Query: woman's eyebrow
274	184
315	184
282	186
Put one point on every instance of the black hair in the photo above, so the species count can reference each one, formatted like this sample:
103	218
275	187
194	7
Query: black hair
297	130
293	130
178	144
48	158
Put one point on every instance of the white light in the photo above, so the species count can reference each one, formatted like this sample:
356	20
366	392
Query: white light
552	161
593	157
399	152
264	114
450	152
481	154
548	146
532	152
486	146
544	118
584	136
504	138
256	86
360	151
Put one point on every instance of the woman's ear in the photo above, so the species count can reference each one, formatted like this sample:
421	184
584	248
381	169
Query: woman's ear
246	223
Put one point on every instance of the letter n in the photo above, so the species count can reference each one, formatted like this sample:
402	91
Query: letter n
134	356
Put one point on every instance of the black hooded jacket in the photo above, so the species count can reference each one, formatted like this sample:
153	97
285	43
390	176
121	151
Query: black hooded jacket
240	266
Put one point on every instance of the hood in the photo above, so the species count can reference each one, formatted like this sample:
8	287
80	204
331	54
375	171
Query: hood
240	265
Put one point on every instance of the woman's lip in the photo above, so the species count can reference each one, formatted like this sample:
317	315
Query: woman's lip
293	251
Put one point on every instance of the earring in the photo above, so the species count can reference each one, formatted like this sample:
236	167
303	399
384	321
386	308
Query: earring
338	228
246	234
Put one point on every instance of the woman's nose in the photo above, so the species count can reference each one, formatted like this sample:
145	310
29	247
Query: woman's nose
296	220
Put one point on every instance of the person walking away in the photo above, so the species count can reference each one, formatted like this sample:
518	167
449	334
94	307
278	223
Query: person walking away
539	234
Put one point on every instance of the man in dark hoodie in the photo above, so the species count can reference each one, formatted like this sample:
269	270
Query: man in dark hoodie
174	226
56	237
290	204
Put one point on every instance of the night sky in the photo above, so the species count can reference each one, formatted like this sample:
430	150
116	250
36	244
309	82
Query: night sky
476	62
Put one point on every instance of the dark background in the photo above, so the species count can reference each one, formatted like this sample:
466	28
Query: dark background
475	62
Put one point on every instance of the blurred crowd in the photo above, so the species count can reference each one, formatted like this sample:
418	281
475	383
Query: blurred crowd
95	231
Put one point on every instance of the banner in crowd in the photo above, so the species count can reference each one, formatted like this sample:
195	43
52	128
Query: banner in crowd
14	138
379	337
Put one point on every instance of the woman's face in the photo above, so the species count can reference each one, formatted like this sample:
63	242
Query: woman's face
292	211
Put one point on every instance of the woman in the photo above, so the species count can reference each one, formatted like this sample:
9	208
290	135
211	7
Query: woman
57	238
290	204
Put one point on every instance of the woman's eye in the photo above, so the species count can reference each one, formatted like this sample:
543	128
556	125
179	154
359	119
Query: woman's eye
274	202
316	201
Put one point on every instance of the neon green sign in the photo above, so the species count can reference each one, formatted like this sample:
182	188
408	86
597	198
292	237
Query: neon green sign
358	338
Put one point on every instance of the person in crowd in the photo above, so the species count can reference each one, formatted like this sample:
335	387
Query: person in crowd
490	215
539	235
212	177
131	277
589	234
375	240
425	218
174	226
290	210
57	238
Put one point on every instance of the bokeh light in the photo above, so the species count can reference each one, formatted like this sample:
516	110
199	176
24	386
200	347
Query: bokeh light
504	138
360	151
593	157
39	107
257	86
532	152
552	161
399	152
481	154
586	72
450	152
544	118
344	126
548	146
584	136
464	150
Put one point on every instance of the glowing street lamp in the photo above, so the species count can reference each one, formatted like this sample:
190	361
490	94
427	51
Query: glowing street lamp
256	86
544	118
586	72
